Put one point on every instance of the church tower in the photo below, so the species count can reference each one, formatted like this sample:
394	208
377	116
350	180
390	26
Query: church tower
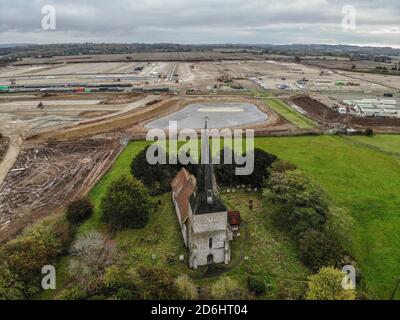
208	236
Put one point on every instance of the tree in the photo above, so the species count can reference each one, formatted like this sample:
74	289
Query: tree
300	203
88	258
11	288
256	284
127	204
318	249
227	289
186	290
226	173
79	210
157	177
327	285
22	259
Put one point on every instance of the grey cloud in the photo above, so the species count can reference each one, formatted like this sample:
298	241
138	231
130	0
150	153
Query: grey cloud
205	21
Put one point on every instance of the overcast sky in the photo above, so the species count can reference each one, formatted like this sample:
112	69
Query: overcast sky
202	21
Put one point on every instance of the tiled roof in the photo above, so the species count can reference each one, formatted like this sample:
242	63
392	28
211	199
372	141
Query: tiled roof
183	187
234	218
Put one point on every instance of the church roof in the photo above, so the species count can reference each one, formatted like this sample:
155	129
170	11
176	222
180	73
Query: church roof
183	187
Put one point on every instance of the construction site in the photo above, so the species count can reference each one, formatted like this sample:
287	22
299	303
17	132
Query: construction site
64	122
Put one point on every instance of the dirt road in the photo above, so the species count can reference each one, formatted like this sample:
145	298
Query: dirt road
11	156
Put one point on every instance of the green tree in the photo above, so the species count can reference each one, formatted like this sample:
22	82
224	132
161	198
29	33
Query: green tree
79	210
11	288
157	177
300	203
127	204
327	285
318	249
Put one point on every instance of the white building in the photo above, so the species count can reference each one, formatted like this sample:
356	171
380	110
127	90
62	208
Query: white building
202	215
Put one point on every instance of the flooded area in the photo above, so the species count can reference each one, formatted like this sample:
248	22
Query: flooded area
220	115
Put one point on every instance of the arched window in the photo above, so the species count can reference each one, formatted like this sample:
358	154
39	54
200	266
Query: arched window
210	243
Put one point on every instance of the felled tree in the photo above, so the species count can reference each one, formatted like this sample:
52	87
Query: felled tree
127	204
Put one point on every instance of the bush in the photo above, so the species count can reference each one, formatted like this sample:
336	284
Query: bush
157	284
127	204
79	210
122	283
74	293
369	132
318	249
186	290
256	284
11	288
282	166
227	289
327	285
300	203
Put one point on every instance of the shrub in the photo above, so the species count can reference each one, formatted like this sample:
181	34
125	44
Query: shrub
318	249
11	288
227	289
122	283
74	293
369	132
79	210
300	203
157	284
327	285
282	166
256	284
127	204
186	290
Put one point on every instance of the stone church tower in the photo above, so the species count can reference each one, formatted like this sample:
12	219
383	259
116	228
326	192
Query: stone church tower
208	233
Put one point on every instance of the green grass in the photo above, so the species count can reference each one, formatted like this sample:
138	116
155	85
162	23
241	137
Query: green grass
364	181
356	177
289	114
386	142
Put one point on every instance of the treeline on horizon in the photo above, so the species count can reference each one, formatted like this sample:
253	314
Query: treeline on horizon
19	51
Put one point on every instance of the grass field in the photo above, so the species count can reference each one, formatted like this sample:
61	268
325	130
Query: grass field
364	181
385	142
289	114
361	179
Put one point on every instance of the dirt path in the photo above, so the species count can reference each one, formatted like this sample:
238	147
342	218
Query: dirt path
11	156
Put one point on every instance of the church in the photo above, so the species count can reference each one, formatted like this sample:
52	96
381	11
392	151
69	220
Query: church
202	215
